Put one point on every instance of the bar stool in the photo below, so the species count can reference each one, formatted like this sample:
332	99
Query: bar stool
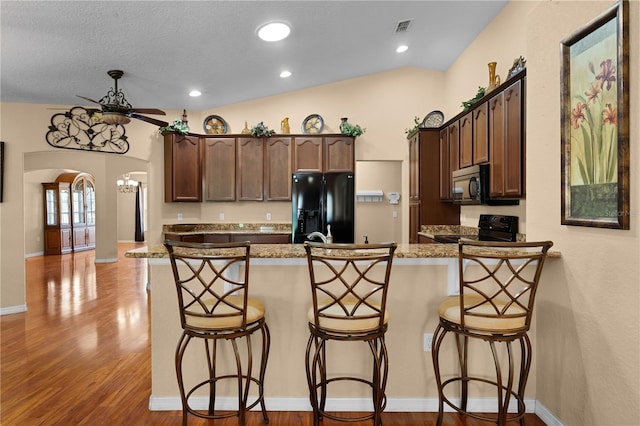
498	283
212	281
349	284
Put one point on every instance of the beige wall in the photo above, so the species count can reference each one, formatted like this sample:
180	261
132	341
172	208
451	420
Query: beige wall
587	335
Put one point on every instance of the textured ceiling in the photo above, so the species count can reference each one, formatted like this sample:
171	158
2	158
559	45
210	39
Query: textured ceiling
53	50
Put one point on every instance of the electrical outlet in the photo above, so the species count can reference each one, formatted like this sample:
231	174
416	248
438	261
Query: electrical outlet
395	214
179	216
427	341
221	216
268	216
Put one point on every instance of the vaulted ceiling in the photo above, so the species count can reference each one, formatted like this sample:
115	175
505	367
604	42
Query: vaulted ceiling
52	51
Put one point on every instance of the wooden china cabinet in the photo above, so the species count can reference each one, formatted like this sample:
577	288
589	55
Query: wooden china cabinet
69	213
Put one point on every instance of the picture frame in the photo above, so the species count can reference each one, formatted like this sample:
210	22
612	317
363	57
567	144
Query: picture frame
595	123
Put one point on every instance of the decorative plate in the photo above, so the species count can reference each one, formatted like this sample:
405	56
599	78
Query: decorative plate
433	119
313	124
214	125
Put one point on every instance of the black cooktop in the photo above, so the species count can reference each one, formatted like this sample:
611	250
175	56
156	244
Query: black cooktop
491	227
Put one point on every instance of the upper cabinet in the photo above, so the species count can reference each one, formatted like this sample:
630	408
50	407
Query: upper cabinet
220	169
182	168
324	153
246	168
491	131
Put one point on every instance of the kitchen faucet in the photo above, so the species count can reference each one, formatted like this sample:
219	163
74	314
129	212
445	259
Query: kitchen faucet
325	239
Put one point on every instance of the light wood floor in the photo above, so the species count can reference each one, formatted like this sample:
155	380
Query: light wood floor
80	355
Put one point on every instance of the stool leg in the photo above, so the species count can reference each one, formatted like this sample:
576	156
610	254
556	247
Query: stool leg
266	344
462	359
380	371
182	345
525	365
242	390
312	375
211	362
438	336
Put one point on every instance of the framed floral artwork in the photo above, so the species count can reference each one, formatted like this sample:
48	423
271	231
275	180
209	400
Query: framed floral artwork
595	123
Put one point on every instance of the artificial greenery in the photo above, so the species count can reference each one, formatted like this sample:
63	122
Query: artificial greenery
416	125
467	104
260	130
176	127
351	130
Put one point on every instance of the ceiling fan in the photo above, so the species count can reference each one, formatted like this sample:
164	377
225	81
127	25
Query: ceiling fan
116	109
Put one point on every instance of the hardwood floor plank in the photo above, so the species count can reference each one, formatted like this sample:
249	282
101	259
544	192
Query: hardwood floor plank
81	353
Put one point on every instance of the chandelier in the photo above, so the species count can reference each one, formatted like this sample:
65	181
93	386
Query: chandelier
127	185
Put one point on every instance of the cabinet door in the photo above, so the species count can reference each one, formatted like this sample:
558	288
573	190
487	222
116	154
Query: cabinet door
220	169
278	168
445	166
217	238
307	155
339	154
182	168
496	128
454	146
414	222
250	169
480	134
466	140
414	168
514	148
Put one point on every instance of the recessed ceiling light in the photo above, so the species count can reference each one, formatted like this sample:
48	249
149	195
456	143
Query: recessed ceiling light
195	93
274	31
285	74
402	48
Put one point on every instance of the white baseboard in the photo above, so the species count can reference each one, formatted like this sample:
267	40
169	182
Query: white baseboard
112	260
547	416
39	253
13	310
428	405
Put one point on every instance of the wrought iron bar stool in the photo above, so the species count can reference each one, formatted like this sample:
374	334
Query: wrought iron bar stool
212	281
349	284
498	283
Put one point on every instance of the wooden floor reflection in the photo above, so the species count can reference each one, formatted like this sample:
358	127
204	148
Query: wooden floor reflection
81	353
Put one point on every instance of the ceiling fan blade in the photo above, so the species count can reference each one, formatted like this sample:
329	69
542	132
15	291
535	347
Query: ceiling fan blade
148	111
90	100
158	123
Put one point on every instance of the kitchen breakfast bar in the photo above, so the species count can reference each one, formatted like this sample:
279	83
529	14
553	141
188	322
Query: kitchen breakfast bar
422	276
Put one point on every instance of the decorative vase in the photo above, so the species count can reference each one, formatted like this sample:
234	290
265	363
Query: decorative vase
284	126
494	80
246	130
343	123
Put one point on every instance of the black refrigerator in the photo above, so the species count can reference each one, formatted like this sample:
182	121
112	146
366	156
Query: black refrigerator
321	199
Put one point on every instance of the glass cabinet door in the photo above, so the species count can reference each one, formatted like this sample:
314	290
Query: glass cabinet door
90	200
52	206
78	202
65	211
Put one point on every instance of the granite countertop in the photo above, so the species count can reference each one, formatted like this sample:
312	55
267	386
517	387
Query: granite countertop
287	251
228	228
430	230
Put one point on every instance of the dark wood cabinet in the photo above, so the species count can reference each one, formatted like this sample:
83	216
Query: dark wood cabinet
425	205
507	143
69	213
481	134
278	168
182	168
339	153
328	153
220	169
253	238
250	169
466	140
449	158
308	154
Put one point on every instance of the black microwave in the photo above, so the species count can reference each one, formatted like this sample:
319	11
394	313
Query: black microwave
471	186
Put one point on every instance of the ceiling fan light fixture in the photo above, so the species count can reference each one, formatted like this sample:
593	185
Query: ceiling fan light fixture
402	48
195	93
114	118
274	31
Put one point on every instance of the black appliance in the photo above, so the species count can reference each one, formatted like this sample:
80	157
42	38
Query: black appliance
321	199
471	186
491	227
